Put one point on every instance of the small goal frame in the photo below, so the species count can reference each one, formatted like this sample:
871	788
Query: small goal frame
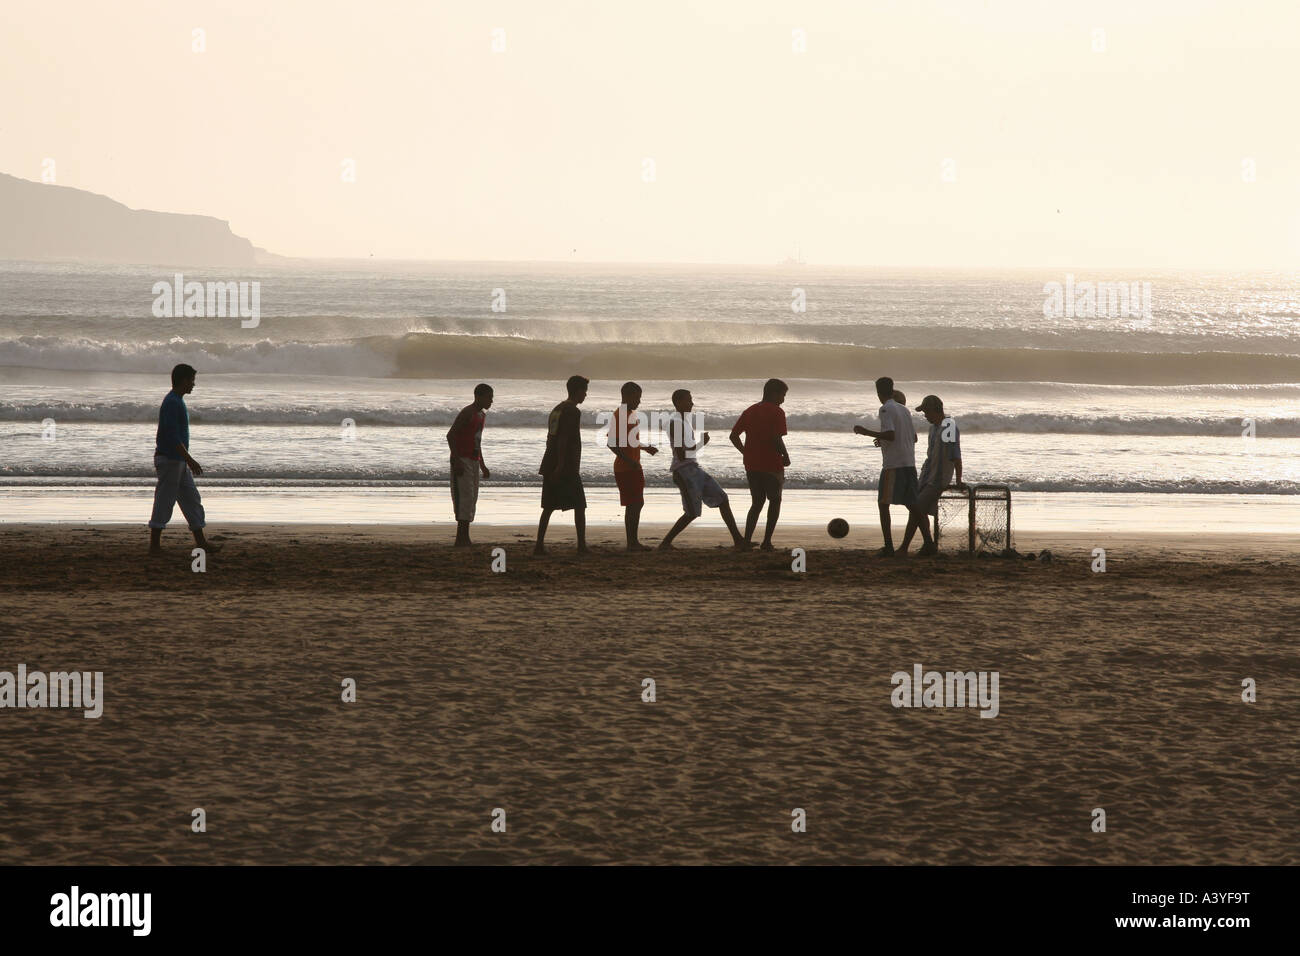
972	494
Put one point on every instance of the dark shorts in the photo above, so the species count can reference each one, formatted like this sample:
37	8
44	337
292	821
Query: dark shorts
898	486
765	484
631	487
563	494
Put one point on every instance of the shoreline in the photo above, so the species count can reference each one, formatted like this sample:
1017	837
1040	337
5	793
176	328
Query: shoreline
1033	513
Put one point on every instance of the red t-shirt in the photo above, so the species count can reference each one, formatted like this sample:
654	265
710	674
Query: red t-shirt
466	439
625	435
760	424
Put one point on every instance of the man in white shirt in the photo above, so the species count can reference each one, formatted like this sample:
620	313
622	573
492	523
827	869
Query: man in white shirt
898	485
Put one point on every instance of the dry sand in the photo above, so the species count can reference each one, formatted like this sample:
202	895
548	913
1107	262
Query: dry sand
523	690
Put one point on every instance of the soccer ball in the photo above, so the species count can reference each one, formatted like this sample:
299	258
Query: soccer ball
838	528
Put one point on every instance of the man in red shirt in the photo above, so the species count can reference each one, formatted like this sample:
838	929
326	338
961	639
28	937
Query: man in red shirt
465	437
765	456
625	443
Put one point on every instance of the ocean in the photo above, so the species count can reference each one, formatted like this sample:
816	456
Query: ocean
1195	404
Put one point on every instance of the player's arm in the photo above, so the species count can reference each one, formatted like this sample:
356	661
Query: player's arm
566	450
735	440
780	446
478	450
185	455
461	421
613	445
171	422
883	436
627	459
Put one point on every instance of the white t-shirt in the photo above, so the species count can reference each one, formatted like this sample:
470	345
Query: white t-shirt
901	452
681	432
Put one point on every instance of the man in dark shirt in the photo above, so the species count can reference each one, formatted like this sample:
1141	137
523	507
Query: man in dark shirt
175	468
561	484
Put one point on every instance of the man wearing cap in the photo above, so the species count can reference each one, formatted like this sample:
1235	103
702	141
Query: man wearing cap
942	467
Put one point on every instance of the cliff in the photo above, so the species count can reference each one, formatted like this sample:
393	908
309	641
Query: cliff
39	221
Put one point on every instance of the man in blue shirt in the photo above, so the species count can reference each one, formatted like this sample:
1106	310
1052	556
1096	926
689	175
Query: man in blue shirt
175	468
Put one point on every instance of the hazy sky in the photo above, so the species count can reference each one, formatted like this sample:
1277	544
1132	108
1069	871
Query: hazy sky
531	153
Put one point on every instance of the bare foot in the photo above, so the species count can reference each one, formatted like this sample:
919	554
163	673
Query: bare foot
462	544
743	545
666	546
539	550
637	546
766	546
583	549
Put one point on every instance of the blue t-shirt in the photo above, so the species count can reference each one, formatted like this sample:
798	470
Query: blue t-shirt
173	427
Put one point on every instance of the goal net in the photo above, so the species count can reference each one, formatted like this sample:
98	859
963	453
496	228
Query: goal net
976	520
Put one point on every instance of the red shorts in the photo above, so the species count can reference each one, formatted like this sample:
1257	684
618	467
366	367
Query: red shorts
631	487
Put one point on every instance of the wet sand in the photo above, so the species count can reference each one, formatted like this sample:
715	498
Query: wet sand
523	690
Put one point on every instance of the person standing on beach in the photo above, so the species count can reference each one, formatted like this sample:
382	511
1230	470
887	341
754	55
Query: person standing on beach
942	467
174	466
465	438
625	443
898	475
765	457
696	485
561	483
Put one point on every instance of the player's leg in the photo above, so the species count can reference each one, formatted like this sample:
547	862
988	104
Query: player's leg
756	499
678	527
187	496
729	520
580	525
632	522
774	482
540	547
883	496
690	511
928	546
164	499
909	533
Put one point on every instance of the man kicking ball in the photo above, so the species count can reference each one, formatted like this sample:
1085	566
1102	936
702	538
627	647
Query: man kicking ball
696	485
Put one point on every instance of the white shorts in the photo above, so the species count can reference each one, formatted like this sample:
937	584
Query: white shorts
697	487
175	486
464	490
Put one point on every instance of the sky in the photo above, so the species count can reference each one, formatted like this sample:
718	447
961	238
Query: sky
931	134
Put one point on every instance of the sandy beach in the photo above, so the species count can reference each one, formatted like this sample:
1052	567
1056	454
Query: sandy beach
522	690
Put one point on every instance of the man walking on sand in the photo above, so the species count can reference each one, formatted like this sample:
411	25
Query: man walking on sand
765	457
174	466
465	438
561	484
898	475
696	485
